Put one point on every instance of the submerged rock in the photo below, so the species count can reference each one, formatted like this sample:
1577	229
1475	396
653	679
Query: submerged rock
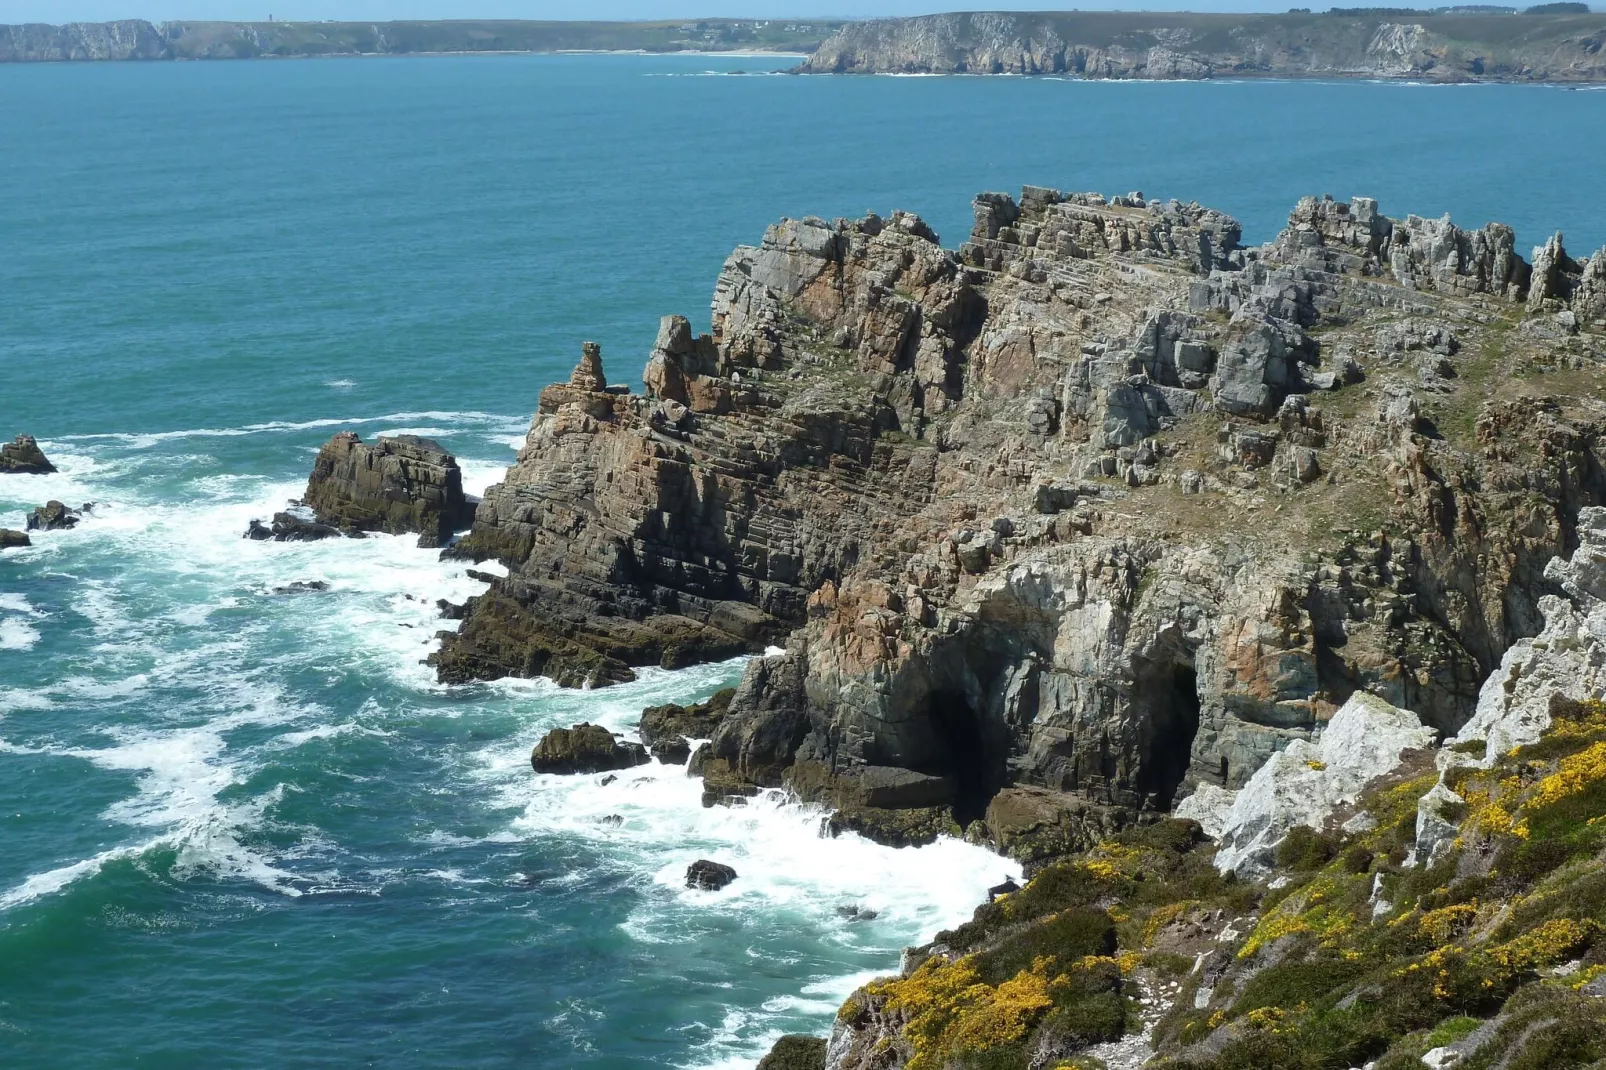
22	456
53	516
397	485
10	539
585	748
709	876
302	587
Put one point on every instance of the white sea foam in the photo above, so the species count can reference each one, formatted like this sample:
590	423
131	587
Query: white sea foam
17	634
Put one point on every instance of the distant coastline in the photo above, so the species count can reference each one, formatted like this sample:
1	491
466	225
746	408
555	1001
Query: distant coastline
139	40
1441	45
1444	45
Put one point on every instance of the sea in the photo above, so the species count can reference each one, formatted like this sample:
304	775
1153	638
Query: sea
241	825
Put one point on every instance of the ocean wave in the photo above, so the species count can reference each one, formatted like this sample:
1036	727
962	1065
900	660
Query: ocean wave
147	439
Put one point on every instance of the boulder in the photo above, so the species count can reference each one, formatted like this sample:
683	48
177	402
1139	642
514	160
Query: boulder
675	751
585	748
22	456
288	527
795	1052
53	516
10	539
397	485
1306	783
709	876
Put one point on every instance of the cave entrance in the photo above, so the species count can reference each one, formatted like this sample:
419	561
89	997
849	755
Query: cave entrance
967	758
1172	723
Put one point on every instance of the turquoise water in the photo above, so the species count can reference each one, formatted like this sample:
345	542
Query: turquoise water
246	829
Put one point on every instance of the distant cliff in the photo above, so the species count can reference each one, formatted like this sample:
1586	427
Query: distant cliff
135	39
1109	44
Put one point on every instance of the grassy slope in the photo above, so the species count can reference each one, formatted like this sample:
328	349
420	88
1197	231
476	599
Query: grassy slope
1500	937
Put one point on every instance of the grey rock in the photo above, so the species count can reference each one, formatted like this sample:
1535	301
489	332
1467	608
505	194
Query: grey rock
22	456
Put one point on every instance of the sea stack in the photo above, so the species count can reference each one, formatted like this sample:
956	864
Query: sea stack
22	456
397	485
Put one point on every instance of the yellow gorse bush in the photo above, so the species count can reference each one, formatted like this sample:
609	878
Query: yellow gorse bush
949	1011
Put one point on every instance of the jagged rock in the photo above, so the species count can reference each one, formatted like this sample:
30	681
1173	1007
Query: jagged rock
22	456
397	485
588	374
709	876
1305	783
825	467
10	540
53	516
288	527
585	748
1565	661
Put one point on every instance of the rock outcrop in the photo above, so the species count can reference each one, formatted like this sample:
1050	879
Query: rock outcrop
668	730
12	540
397	485
709	876
22	456
1064	524
1366	43
54	516
585	748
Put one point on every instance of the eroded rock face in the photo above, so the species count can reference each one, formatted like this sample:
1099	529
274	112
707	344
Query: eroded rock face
11	540
22	456
1306	783
397	485
1094	510
585	748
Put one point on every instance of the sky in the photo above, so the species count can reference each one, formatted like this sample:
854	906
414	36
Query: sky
13	11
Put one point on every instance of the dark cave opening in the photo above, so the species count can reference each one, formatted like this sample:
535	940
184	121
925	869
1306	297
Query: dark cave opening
967	758
1172	724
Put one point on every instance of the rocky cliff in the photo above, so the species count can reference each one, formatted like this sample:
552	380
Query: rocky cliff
1369	44
1367	901
1099	507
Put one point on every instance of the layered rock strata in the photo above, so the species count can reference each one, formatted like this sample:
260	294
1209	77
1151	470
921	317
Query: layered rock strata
397	485
1057	526
22	456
